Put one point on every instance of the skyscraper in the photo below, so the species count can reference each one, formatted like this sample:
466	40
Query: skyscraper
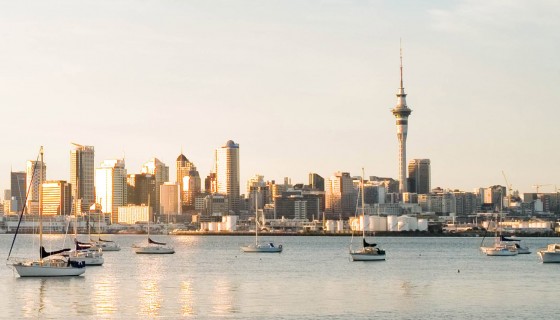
82	177
161	174
340	196
141	189
56	198
401	113
110	187
36	173
419	176
188	180
18	184
316	182
227	173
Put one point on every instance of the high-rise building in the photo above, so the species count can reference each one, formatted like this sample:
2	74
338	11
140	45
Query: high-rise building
316	182
57	199
18	192
36	173
188	180
111	187
419	176
340	196
401	113
82	177
227	173
141	189
170	201
161	174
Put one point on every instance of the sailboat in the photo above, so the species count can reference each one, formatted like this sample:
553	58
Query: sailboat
153	247
83	251
368	251
268	247
49	264
104	245
500	248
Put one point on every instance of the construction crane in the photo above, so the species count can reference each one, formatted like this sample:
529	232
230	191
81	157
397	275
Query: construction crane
537	186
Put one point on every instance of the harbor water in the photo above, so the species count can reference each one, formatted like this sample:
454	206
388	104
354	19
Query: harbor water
209	277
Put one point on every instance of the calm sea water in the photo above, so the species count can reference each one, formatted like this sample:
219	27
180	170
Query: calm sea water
209	277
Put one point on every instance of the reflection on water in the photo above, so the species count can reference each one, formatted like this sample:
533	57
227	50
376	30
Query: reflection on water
224	297
150	297
186	299
312	278
104	297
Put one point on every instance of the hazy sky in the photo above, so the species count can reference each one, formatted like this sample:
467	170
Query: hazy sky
302	86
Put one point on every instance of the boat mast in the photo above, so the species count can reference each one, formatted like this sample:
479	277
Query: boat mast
41	205
256	220
363	210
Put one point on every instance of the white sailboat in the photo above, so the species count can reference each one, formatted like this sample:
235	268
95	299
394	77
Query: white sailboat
368	251
104	245
256	247
83	251
500	248
153	247
49	264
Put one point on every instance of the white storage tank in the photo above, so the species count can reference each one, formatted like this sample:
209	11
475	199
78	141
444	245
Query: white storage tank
392	223
211	226
364	223
329	226
422	224
339	226
229	223
204	226
403	223
413	223
377	223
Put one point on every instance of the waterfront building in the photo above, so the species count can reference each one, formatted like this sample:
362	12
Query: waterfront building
419	176
82	177
17	188
216	205
161	174
316	182
228	174
132	214
401	113
170	200
111	187
57	198
297	204
35	173
340	196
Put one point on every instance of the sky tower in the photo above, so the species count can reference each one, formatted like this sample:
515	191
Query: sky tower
401	112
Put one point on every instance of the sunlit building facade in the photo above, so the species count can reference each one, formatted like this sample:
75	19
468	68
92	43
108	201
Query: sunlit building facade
111	187
36	173
57	199
227	174
161	174
82	176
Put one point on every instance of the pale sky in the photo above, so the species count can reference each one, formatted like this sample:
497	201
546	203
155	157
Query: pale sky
302	86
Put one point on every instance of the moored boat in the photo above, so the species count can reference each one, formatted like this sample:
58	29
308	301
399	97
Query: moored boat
551	254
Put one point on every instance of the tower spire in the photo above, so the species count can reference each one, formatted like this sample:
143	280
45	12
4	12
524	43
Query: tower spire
401	113
402	87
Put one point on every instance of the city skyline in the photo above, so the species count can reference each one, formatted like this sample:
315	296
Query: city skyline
301	87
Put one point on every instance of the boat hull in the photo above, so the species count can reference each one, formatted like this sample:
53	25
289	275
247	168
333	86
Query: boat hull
45	269
551	254
499	251
261	248
367	256
154	250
